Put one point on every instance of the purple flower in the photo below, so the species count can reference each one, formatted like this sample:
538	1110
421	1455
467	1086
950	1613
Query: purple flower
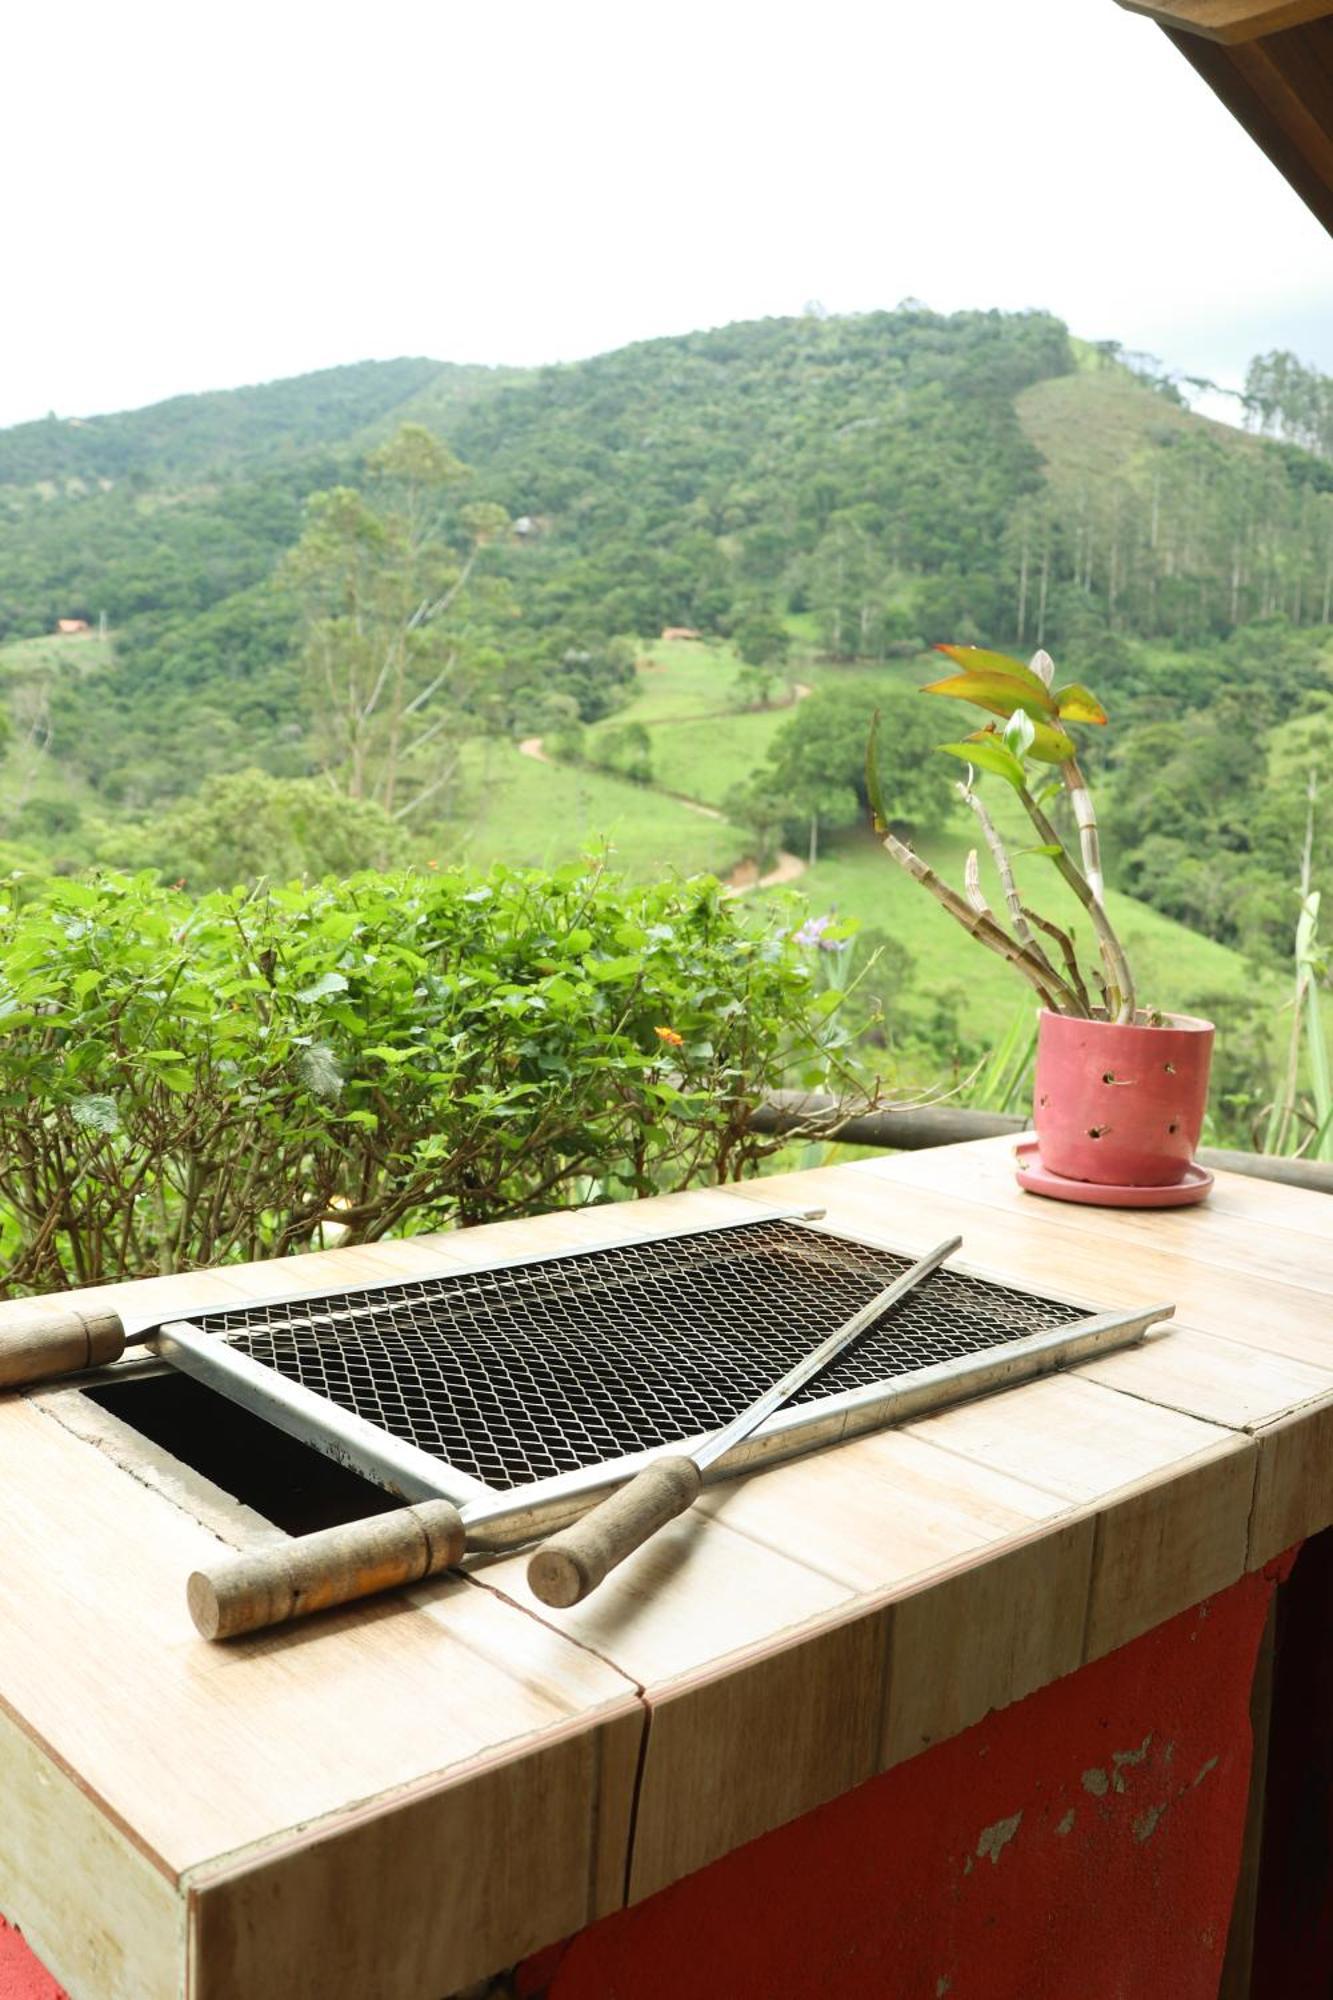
812	931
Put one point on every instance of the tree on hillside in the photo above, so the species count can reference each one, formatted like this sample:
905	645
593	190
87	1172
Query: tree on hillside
381	576
753	807
815	771
843	577
247	826
627	749
1290	400
763	642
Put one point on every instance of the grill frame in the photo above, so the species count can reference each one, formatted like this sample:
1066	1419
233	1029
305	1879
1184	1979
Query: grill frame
502	1518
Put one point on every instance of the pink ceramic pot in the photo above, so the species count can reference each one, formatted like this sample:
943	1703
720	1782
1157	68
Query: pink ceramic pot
1121	1106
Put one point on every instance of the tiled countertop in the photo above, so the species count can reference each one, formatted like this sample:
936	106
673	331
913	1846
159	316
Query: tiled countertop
405	1795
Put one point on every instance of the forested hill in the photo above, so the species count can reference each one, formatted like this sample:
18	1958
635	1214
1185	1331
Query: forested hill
202	434
902	475
859	487
807	462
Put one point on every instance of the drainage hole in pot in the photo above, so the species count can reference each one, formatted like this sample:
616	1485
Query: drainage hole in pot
1174	1126
1096	1131
1170	1068
1043	1100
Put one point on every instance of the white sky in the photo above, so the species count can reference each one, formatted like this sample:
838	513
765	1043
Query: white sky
200	195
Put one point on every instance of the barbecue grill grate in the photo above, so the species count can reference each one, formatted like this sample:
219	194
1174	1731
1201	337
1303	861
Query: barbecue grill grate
520	1374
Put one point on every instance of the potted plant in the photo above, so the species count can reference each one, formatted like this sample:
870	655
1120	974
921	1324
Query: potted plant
1120	1090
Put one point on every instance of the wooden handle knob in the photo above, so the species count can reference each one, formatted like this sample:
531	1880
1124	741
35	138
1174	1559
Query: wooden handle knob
574	1562
41	1338
336	1566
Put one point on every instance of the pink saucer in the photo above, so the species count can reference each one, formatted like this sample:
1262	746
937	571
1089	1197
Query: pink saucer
1037	1179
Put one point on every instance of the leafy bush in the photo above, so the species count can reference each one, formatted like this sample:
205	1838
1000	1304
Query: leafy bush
626	749
185	1082
244	826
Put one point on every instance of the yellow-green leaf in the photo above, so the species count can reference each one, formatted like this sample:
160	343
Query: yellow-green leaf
998	694
980	660
988	753
1050	744
1077	703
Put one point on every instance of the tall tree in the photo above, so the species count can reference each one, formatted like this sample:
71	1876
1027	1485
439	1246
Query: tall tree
381	575
816	764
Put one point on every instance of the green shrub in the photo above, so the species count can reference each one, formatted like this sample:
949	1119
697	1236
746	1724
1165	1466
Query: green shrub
183	1082
245	826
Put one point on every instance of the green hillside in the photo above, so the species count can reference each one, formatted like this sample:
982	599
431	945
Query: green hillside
821	500
1102	424
1179	969
192	435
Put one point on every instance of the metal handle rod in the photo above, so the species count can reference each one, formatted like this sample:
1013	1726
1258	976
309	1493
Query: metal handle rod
819	1358
570	1566
506	1522
44	1338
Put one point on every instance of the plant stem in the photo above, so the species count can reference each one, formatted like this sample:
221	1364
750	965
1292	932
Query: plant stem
1085	818
1018	915
1119	981
1066	944
1051	988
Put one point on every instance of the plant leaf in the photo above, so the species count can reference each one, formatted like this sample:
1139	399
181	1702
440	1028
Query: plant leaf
978	659
988	753
318	1070
328	982
1019	733
998	694
1050	744
606	969
1077	703
96	1114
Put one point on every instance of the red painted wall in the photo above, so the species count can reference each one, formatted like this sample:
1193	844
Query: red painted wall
1081	1845
23	1977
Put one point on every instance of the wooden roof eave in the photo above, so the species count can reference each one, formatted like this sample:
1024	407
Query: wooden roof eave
1280	89
1271	63
1230	21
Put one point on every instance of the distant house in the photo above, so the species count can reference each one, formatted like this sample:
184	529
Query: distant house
525	525
679	632
69	628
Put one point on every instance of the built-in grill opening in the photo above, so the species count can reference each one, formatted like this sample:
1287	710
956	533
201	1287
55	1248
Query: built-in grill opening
291	1484
523	1373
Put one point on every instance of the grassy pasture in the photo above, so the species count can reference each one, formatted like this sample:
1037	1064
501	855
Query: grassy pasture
702	753
535	814
26	659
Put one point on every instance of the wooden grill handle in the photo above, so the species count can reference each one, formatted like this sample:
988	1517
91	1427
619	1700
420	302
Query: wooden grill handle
565	1569
336	1566
41	1338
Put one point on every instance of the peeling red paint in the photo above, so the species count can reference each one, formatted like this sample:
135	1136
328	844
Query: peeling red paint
1107	1811
23	1976
1110	1807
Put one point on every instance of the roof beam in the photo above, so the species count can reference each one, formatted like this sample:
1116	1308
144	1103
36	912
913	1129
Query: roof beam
1231	20
1281	91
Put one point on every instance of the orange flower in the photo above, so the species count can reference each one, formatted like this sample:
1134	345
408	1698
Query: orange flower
670	1037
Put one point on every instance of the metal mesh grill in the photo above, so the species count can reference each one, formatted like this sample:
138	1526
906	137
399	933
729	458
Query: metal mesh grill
518	1374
